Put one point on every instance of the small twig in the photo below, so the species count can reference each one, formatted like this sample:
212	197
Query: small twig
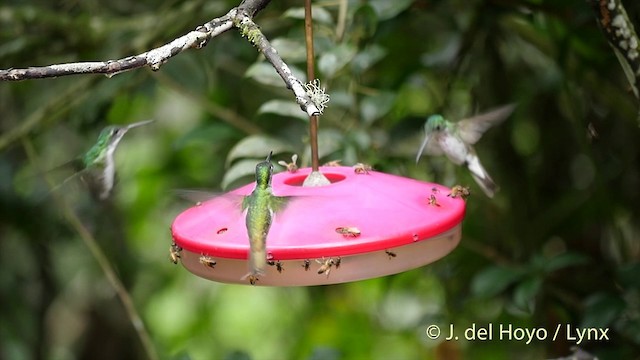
313	120
102	260
342	19
621	35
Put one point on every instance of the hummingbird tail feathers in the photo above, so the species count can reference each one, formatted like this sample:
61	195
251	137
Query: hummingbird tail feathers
257	262
481	176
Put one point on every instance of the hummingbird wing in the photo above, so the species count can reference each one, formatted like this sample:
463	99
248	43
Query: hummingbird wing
75	166
279	203
245	202
471	129
196	195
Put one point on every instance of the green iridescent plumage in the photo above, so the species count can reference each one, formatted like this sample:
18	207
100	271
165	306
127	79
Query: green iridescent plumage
261	206
96	167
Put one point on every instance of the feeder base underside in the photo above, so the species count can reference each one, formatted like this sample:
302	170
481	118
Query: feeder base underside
351	268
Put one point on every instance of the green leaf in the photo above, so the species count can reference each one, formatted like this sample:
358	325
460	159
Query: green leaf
238	171
376	106
629	275
264	73
526	291
564	260
364	24
320	15
335	59
329	141
367	57
257	147
209	134
292	50
602	309
387	9
494	280
283	108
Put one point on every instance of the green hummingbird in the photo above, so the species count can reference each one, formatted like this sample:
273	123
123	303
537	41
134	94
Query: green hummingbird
455	140
97	167
261	206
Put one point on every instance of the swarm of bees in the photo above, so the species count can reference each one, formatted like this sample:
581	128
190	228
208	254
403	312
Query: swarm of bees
277	264
459	191
325	265
292	166
348	231
174	253
208	261
361	168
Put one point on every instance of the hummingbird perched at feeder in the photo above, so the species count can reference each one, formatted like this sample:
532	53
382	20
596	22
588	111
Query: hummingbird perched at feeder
261	206
455	140
97	167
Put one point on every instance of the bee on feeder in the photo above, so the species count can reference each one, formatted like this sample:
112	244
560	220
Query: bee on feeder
348	231
459	191
306	264
361	168
292	166
253	279
208	261
390	254
433	201
277	264
325	265
174	253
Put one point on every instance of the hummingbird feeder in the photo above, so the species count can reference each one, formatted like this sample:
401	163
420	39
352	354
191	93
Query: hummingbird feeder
365	224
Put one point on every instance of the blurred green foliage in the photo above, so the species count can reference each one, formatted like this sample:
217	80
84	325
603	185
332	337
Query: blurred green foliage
560	243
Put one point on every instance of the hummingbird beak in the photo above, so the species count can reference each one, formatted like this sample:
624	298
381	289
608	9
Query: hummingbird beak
269	156
139	123
424	145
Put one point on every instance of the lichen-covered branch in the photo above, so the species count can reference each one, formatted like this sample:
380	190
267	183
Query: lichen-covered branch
153	58
252	32
621	35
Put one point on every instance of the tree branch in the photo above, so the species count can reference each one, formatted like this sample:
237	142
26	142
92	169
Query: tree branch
621	35
240	17
252	32
197	38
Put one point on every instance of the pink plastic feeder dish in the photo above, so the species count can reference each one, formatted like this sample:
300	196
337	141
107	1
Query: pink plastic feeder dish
360	226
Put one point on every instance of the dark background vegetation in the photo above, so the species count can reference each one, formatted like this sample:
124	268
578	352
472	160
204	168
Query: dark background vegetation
559	244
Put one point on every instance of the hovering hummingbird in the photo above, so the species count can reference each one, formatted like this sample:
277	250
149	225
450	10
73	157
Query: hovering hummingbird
261	206
455	140
96	166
